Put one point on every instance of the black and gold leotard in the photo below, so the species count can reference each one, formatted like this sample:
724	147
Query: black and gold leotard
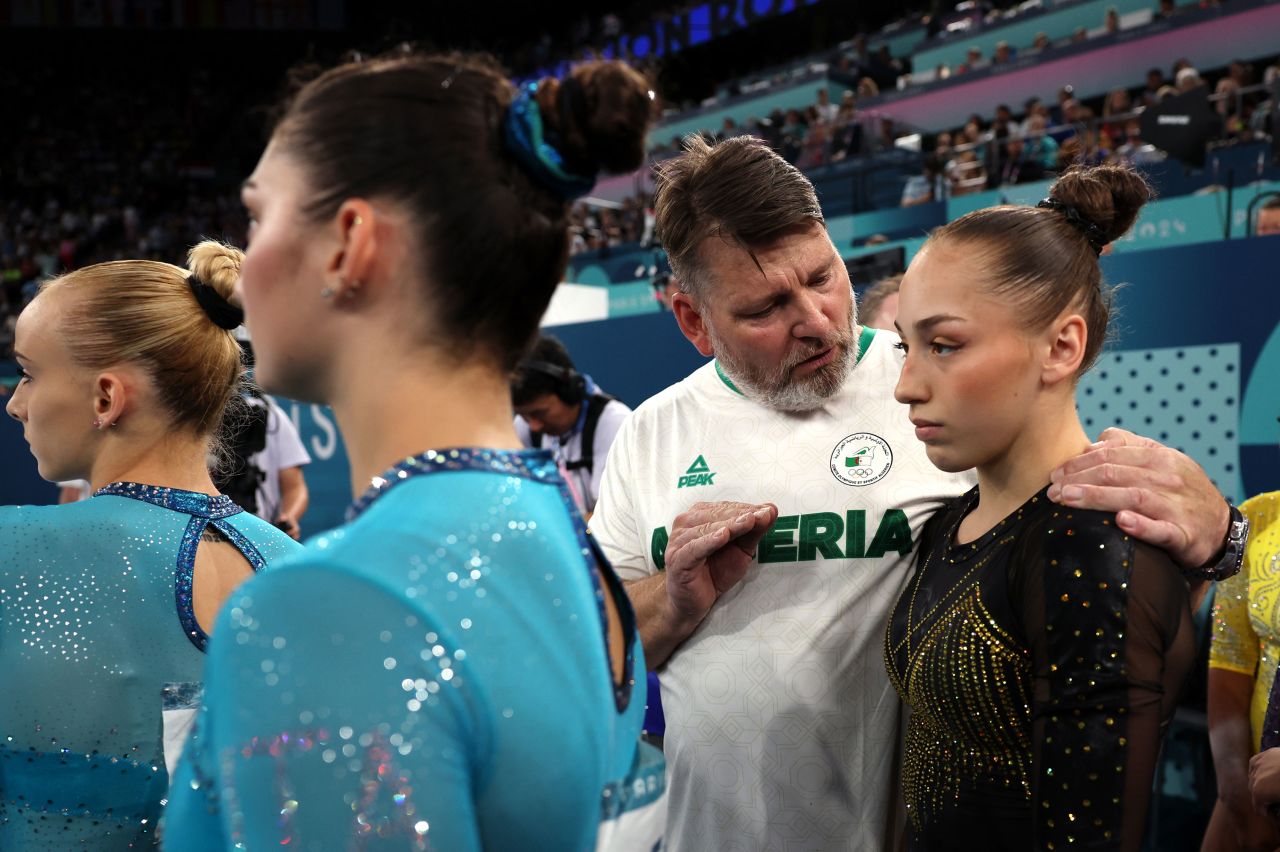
1040	664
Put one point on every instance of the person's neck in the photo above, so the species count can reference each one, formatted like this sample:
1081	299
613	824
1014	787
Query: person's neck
424	403
1016	475
168	461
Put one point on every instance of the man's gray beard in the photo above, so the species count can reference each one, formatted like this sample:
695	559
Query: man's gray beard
776	389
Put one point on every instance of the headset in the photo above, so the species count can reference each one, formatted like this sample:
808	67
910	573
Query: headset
571	385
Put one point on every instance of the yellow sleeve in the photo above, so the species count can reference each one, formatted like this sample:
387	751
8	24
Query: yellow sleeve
1235	646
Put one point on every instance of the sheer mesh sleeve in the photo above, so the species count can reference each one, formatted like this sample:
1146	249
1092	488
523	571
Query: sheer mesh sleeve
1109	626
286	753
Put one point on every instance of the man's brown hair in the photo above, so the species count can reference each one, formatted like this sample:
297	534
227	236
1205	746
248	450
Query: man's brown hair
739	190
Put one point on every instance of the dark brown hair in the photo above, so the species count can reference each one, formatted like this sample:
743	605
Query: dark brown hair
427	133
1043	263
738	190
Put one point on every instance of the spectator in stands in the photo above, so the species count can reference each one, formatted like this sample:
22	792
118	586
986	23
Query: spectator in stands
813	152
1041	43
563	410
728	129
1084	149
847	134
1166	9
1069	122
885	70
1018	166
931	185
792	139
1111	21
1058	113
969	175
1039	148
868	88
826	110
878	306
942	149
1155	81
1229	107
1079	36
1188	79
1134	151
1241	72
1003	54
1117	103
1268	223
973	58
1262	120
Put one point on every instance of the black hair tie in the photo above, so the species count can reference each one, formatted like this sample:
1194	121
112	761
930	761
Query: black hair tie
223	313
1094	234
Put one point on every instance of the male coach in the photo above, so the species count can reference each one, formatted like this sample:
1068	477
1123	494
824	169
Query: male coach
768	621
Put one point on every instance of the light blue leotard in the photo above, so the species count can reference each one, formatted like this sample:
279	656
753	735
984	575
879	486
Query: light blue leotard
94	600
435	674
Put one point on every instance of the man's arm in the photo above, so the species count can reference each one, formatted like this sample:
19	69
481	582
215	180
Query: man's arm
1159	495
294	499
708	552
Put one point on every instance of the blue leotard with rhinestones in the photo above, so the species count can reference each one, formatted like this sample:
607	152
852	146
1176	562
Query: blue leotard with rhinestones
434	674
95	599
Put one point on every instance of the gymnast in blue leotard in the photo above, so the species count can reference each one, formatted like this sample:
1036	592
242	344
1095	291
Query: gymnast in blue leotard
456	667
105	604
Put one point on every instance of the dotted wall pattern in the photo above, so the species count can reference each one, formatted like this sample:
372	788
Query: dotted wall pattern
1186	397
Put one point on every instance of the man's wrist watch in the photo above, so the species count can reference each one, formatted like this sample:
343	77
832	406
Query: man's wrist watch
1228	564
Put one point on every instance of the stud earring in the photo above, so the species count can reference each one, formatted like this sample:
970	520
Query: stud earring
97	422
326	293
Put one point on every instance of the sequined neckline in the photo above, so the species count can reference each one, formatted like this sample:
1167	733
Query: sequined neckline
537	465
956	551
176	499
205	510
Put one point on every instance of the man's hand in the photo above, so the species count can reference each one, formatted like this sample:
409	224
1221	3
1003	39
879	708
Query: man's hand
1159	495
708	552
290	526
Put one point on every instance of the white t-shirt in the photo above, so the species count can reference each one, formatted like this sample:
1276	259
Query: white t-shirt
782	727
82	485
569	450
284	449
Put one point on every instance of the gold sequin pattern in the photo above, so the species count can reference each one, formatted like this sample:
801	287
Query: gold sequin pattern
968	682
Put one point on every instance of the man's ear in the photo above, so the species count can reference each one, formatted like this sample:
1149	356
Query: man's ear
691	323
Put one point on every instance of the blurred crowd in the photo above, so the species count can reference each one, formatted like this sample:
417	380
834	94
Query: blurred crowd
1011	148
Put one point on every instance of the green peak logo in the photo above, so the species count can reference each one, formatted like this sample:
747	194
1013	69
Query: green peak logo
699	473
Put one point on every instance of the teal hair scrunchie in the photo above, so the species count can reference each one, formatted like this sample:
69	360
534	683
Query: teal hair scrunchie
525	138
